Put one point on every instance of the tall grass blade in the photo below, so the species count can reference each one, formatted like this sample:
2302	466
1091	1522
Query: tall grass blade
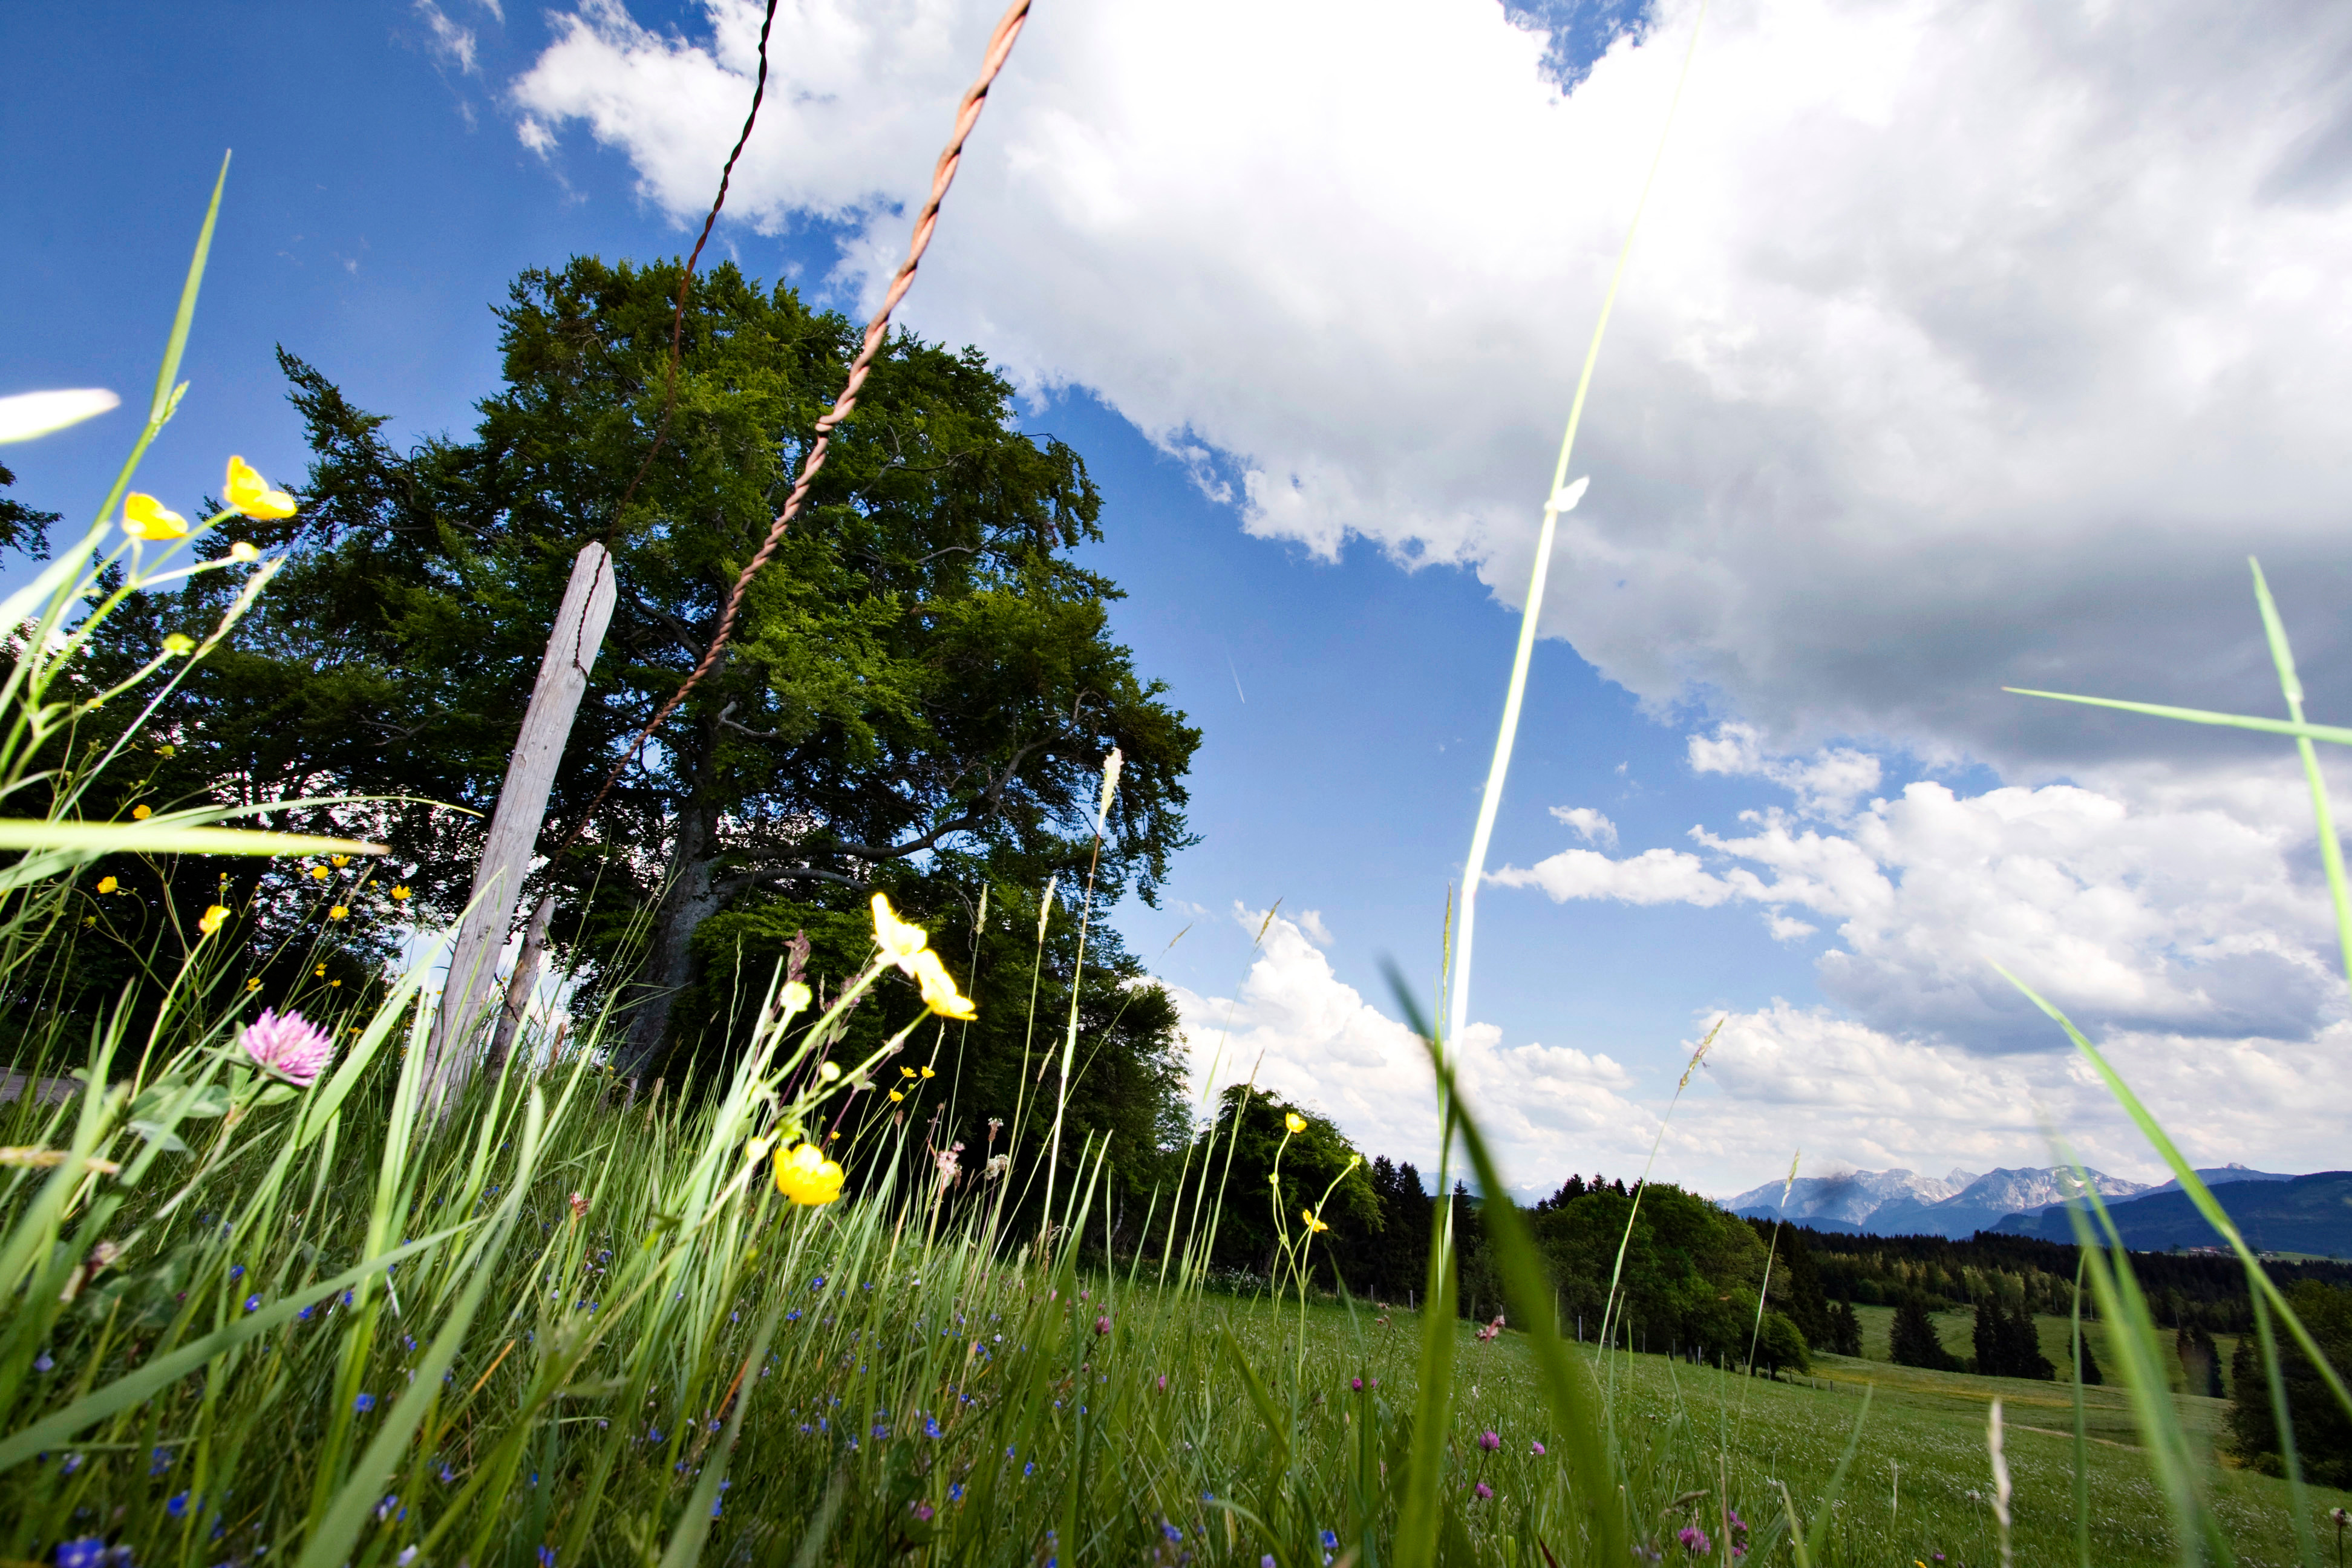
1598	1481
136	1388
2331	851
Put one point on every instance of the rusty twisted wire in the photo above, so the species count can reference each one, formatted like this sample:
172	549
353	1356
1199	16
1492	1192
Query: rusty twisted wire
999	48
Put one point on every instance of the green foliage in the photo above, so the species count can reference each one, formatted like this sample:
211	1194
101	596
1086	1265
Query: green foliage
1844	1331
2323	1432
2007	1343
1127	1082
24	528
1691	1273
1259	1209
922	674
1781	1345
1915	1341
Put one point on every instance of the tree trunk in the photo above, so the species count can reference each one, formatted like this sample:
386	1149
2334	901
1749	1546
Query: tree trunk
688	899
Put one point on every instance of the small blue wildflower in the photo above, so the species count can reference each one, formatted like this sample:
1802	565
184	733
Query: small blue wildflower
83	1553
42	1363
253	1303
176	1505
237	1270
931	1428
793	1316
447	1475
391	1501
1330	1541
305	1313
653	1435
1030	1468
955	1492
162	1462
1170	1531
363	1404
73	1463
547	1557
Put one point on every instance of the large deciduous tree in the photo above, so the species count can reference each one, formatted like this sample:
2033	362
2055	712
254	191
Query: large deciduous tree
923	684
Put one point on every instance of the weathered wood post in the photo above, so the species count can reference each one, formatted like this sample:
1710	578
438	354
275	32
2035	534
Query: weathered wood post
472	982
525	979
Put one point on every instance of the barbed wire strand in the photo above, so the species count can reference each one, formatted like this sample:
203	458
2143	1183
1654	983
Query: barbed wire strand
685	280
999	48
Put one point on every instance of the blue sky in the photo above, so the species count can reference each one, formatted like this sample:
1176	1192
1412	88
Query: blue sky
1852	474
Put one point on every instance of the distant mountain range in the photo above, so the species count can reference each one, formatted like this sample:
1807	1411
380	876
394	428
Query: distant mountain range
2274	1213
1900	1203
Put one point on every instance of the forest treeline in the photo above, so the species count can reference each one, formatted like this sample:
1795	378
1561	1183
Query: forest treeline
2185	1291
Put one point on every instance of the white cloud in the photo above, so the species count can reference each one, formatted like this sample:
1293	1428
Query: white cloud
452	44
2180	912
1311	922
1590	824
1308	1036
1653	877
1960	348
1828	783
1786	1078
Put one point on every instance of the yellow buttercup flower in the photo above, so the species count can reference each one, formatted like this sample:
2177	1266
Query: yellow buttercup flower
179	645
339	912
400	894
167	749
797	997
340	860
905	1072
249	493
806	1177
144	517
321	971
107	884
900	942
896	1097
929	1073
1313	1225
1294	1121
243	552
141	813
212	918
827	1072
320	872
939	993
253	984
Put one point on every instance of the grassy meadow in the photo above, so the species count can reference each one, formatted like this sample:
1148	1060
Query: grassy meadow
271	1298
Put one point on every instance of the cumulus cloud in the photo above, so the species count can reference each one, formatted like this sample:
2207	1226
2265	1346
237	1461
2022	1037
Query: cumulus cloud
1299	1031
1785	1076
1827	783
1653	877
1962	350
2182	915
1958	351
1590	824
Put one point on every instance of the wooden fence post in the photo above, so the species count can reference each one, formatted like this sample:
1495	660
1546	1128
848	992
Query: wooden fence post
525	981
472	982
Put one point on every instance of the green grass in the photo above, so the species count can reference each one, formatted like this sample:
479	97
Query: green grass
1957	1330
251	1322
